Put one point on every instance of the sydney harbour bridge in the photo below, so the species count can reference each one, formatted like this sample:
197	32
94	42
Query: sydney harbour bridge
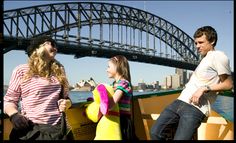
101	30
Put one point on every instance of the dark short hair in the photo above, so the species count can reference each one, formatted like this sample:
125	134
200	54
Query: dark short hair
210	33
35	42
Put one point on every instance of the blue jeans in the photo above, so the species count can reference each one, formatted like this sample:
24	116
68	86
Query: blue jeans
186	117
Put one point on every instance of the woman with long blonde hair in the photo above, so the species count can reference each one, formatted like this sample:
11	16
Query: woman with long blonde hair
41	86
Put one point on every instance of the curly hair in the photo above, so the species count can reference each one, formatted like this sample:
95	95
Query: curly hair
43	68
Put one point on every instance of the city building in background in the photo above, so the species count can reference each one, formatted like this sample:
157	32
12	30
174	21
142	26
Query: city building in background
183	76
168	82
175	81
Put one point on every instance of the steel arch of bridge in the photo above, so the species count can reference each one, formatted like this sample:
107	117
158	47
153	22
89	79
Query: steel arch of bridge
102	30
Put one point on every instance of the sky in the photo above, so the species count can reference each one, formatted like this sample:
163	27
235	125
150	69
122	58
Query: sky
187	15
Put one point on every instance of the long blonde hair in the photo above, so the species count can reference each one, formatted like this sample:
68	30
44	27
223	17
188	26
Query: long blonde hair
43	68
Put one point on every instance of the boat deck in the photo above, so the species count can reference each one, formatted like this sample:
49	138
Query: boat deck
147	108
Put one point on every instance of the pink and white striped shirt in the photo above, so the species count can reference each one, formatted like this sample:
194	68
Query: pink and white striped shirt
38	96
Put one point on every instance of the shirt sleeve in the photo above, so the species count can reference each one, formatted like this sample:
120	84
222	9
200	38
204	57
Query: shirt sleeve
14	91
221	64
124	86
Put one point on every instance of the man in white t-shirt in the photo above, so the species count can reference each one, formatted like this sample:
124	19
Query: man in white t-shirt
213	74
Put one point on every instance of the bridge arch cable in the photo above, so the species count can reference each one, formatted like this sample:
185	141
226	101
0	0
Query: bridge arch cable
100	26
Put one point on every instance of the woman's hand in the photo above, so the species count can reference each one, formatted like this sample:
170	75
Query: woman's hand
64	104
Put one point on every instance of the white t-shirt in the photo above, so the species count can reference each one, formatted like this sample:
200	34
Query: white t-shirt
215	63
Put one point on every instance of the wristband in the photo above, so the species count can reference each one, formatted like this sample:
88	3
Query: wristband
208	88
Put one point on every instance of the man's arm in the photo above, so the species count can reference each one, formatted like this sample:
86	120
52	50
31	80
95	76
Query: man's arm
226	83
